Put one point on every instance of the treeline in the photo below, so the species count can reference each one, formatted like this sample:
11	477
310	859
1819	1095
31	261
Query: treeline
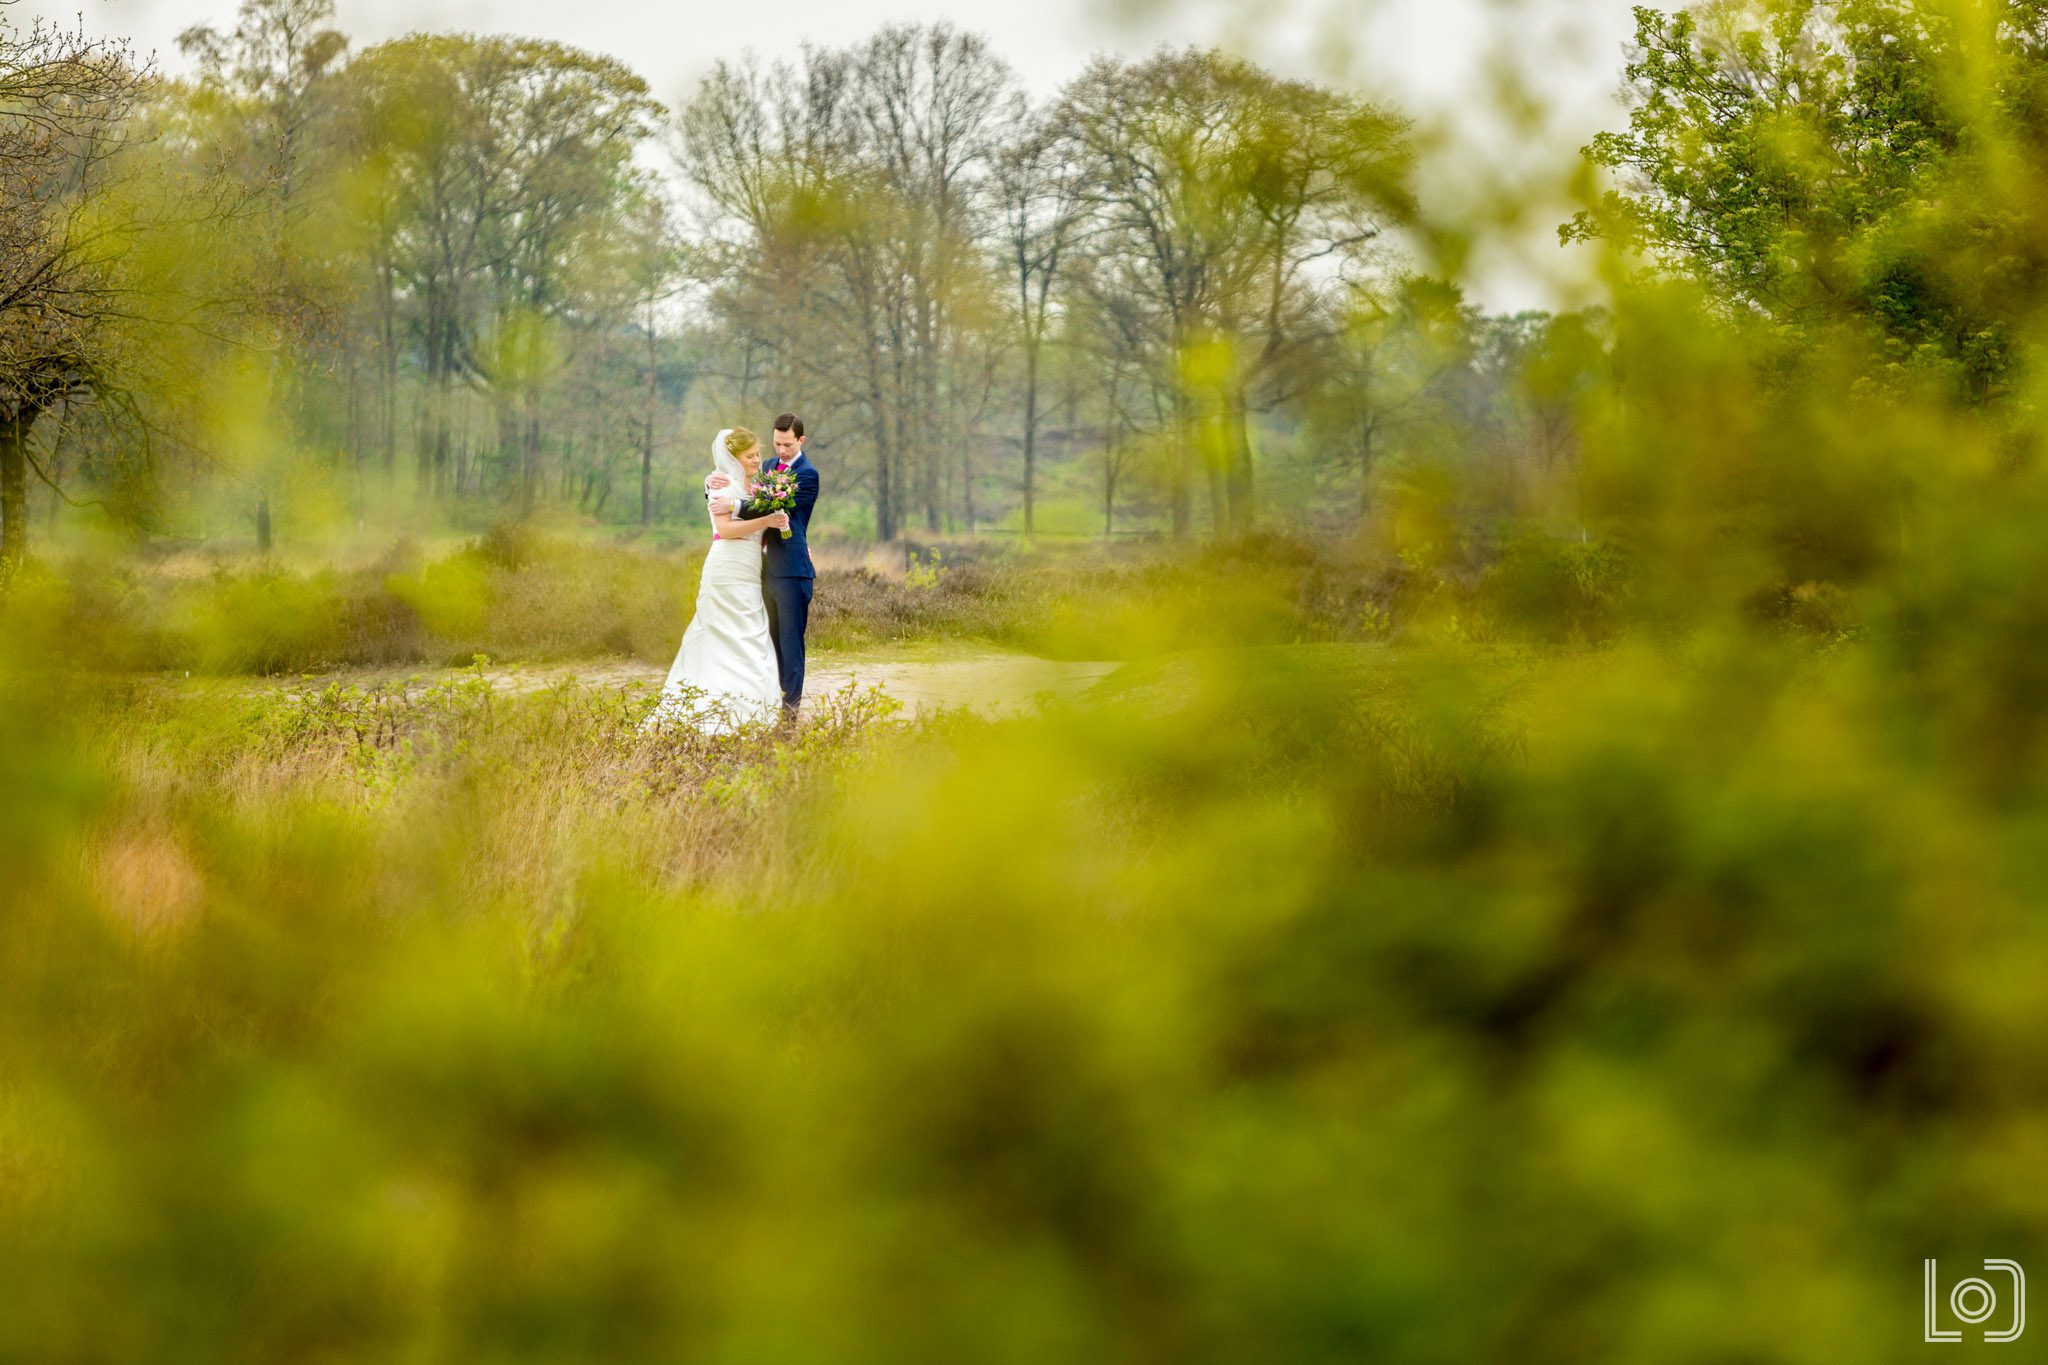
454	276
455	279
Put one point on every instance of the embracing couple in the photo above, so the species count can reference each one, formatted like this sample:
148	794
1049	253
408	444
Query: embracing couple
742	659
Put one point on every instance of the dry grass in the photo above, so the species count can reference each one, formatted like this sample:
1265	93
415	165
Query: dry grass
534	779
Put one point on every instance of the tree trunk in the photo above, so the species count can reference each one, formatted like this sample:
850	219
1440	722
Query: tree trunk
1109	469
506	419
529	455
885	512
885	509
1030	439
967	482
263	523
433	431
1365	454
928	327
1180	475
13	491
57	471
647	471
647	431
352	420
427	403
1243	494
1212	442
444	411
441	447
390	374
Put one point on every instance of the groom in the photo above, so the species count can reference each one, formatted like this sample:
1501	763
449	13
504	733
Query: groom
786	574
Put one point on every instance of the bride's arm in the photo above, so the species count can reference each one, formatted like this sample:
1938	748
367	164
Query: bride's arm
718	491
732	528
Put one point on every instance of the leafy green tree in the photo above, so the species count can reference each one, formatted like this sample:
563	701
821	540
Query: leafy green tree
1219	188
1814	161
512	166
261	108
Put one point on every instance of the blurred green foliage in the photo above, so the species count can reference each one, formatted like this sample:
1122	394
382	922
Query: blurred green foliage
1308	1003
1833	161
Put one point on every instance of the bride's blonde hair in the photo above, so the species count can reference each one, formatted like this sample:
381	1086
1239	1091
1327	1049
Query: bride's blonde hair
739	441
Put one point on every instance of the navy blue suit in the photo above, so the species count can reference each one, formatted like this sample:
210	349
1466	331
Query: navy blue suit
786	580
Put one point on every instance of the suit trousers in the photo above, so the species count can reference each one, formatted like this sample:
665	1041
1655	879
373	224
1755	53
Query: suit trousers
789	611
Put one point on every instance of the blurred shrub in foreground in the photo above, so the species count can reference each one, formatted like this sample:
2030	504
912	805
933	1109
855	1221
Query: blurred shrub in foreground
1313	1004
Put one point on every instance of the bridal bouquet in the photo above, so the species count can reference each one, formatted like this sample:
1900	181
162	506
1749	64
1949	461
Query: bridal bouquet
774	491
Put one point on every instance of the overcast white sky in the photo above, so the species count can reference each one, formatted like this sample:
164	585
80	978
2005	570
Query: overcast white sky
1437	59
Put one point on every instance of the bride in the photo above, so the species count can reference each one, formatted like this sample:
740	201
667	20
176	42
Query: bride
724	675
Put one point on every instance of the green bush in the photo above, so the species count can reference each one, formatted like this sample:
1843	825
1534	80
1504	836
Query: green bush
1557	589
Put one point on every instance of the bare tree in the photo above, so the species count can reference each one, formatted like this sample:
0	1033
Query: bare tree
1041	189
843	207
783	243
933	104
64	99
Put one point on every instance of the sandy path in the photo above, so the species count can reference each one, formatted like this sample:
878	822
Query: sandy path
994	685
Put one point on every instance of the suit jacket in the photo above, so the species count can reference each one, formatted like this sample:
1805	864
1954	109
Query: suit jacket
789	552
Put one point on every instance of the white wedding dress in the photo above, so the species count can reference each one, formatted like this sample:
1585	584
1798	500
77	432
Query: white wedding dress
724	675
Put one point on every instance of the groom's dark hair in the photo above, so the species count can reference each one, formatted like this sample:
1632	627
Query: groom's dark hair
790	423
